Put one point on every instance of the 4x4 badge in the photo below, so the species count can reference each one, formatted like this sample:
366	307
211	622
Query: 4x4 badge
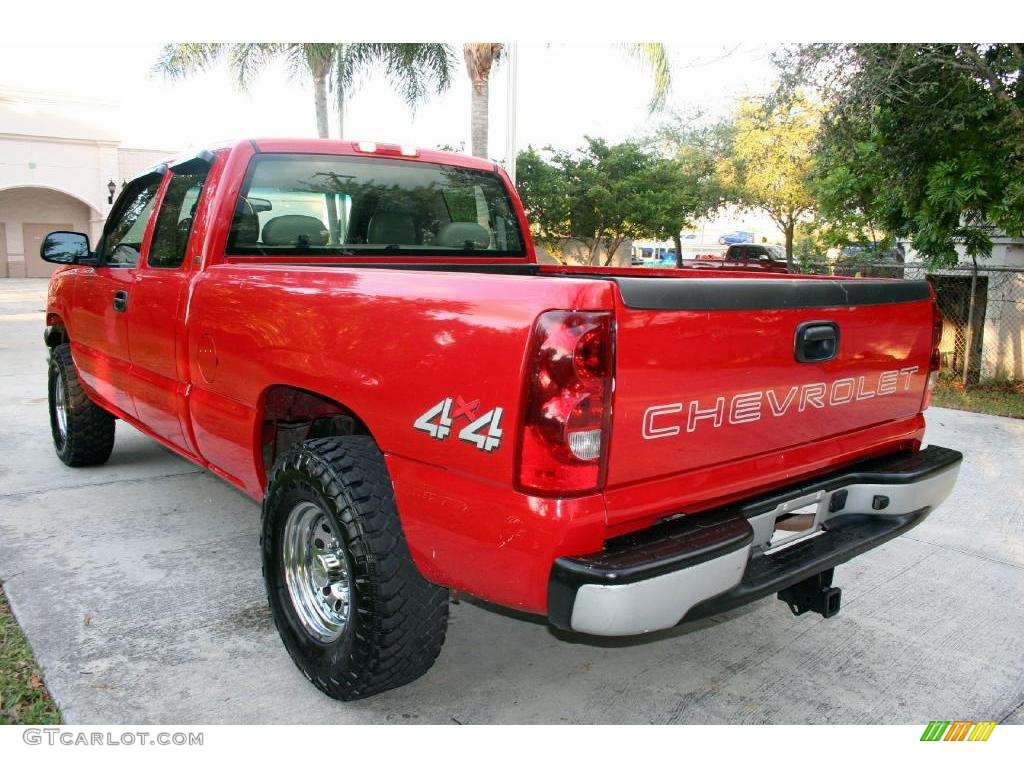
483	431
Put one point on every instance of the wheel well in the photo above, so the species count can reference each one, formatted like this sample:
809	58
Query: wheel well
55	333
290	415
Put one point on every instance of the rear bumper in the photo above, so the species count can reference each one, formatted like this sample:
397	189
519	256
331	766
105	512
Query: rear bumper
698	565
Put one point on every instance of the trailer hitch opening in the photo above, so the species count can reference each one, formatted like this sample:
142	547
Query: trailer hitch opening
814	594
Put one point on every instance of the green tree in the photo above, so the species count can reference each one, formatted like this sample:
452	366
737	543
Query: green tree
697	147
544	190
412	69
480	59
769	163
926	140
601	195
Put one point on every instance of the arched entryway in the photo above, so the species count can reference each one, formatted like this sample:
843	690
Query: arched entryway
27	214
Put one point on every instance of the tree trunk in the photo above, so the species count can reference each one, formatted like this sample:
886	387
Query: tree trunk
320	96
678	240
969	345
341	112
339	63
478	118
480	57
613	247
323	131
788	231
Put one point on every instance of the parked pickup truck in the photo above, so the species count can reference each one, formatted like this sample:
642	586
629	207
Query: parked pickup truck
747	257
359	335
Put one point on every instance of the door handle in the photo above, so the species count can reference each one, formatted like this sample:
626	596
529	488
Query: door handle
816	342
120	301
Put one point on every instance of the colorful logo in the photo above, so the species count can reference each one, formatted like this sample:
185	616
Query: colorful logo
958	730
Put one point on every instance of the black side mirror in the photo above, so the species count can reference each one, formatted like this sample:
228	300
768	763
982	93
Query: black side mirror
65	248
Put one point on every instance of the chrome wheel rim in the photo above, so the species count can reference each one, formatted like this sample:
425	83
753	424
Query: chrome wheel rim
60	408
317	572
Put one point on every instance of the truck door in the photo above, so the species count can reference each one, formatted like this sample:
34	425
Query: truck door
99	314
156	323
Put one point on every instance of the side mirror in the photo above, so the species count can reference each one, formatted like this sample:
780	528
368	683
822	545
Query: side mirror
65	248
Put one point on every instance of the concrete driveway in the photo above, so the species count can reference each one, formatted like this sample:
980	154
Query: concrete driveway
138	584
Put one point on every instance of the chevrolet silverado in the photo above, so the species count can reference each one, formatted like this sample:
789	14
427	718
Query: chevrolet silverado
359	335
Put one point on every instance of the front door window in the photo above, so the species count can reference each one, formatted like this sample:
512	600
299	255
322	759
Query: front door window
122	242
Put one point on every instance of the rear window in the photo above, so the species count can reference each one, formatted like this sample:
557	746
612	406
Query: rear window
330	204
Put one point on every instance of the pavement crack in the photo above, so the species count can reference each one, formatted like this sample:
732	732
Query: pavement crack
967	552
889	579
121	481
1012	712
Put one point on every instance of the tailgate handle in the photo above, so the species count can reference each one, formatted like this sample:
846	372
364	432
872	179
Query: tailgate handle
816	342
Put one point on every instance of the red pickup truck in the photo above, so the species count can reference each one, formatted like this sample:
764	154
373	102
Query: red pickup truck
359	335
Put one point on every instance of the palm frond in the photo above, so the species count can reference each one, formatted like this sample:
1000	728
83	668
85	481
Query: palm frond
247	59
654	57
412	69
315	58
180	60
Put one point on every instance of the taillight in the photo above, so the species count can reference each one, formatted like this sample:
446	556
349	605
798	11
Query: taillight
375	148
568	403
935	363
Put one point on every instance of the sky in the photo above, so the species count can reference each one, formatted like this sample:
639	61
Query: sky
565	92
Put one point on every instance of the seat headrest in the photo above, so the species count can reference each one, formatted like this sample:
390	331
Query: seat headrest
246	226
458	233
391	228
293	229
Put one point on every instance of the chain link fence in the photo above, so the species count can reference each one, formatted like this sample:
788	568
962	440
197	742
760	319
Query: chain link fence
983	329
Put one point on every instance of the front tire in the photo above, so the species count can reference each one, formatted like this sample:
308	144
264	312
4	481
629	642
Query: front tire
83	433
352	609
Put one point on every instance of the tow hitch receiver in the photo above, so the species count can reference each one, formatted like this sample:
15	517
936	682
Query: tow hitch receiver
814	594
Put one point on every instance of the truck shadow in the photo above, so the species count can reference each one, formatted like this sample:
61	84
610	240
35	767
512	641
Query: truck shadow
595	641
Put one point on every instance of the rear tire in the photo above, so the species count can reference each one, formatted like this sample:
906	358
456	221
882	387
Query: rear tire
349	603
83	433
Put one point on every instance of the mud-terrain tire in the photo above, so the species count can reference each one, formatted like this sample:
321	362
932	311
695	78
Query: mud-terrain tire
83	433
330	527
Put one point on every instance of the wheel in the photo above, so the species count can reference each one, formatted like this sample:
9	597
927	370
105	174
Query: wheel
352	609
83	433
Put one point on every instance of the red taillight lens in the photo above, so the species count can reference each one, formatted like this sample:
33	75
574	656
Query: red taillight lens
935	363
567	418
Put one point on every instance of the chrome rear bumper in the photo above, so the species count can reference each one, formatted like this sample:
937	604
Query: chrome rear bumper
697	565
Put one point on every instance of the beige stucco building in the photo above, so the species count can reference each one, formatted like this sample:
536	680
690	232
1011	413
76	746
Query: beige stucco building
55	170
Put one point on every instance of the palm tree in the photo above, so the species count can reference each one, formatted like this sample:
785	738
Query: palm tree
413	69
481	57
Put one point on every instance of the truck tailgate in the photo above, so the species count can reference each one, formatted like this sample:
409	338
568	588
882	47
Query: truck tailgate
711	400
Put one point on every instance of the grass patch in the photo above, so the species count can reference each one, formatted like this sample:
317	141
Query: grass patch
24	699
996	397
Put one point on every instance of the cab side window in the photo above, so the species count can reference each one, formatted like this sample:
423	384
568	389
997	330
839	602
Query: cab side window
174	220
123	239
